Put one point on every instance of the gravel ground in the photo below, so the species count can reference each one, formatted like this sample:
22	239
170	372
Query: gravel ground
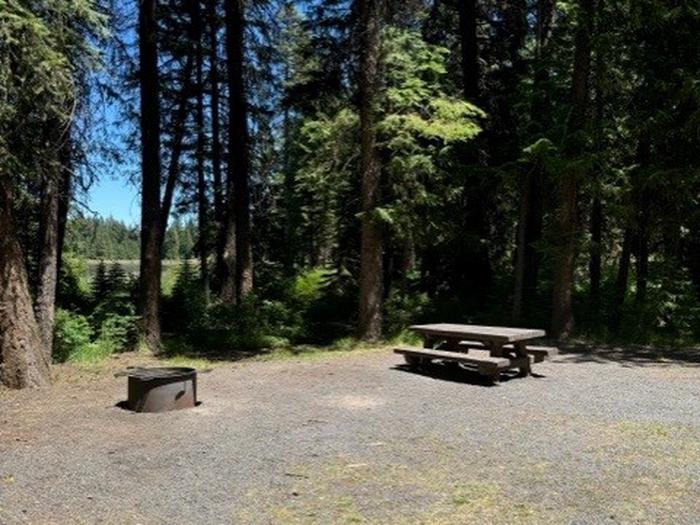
598	438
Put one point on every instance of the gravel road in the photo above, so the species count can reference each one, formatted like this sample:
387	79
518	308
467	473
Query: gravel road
592	439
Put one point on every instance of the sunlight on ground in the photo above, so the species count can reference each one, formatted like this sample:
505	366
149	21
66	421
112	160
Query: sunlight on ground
430	481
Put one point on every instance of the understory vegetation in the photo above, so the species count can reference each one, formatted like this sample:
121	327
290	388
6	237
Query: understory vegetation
315	170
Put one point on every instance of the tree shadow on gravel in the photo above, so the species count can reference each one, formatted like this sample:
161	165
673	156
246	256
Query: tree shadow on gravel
458	374
630	355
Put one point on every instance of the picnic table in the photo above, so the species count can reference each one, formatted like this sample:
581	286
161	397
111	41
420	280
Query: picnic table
488	349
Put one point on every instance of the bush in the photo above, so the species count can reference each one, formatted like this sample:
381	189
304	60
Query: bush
324	302
403	308
246	326
118	332
73	291
185	310
72	334
79	338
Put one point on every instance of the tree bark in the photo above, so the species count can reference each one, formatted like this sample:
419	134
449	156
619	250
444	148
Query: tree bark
239	275
24	362
596	220
473	274
621	283
216	134
563	282
471	71
150	166
65	194
202	207
179	122
642	202
48	259
525	204
642	248
371	271
531	196
594	266
535	207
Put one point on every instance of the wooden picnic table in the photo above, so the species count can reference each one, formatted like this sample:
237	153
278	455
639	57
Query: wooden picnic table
490	349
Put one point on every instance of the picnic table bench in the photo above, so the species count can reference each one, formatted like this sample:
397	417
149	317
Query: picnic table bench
488	349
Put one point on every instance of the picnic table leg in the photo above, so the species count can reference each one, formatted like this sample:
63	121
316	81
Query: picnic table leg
496	349
521	352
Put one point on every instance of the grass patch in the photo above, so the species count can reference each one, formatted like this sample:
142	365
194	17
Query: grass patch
92	353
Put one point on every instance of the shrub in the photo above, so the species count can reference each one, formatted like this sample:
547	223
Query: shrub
118	332
324	302
185	310
403	308
73	292
72	334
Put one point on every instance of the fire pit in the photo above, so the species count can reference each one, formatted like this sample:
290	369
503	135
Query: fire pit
161	389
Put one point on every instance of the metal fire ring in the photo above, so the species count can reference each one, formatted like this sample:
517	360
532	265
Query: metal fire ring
160	389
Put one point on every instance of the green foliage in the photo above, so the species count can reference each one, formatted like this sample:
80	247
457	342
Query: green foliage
403	308
185	310
419	123
73	291
100	283
110	239
45	49
72	335
78	338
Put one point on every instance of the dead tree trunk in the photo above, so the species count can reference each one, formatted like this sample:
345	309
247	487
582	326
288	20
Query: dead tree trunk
24	362
371	272
150	167
238	278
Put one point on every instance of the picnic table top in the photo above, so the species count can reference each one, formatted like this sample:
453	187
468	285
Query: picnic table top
482	333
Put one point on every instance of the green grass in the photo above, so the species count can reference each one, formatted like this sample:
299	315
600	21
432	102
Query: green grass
91	353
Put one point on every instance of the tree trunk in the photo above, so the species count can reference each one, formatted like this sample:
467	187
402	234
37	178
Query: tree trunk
216	134
150	167
471	74
23	359
621	282
371	272
596	222
239	274
525	204
642	202
565	263
531	196
202	208
594	266
178	135
473	274
48	259
642	251
533	234
65	193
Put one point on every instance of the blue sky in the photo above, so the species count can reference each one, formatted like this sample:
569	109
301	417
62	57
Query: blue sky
117	198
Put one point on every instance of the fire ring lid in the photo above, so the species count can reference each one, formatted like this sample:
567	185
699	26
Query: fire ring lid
162	372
